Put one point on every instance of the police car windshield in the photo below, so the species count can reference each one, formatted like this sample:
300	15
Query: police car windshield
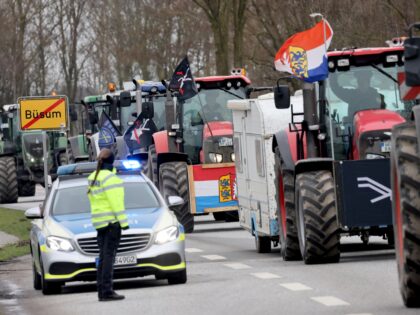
74	200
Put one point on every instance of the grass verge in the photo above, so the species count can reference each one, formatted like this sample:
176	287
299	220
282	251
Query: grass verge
15	223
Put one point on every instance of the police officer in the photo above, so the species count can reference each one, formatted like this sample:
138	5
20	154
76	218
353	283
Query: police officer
106	196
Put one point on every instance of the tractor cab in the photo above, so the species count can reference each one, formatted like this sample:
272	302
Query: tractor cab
121	107
363	102
206	120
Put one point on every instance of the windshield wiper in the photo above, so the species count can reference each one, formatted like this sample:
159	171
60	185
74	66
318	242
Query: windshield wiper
231	93
384	72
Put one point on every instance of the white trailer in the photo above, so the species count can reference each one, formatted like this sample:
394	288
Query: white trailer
255	121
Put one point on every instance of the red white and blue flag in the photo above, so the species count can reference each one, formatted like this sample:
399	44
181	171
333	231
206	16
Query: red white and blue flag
304	54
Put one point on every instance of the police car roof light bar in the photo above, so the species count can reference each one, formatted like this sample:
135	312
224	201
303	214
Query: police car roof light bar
89	167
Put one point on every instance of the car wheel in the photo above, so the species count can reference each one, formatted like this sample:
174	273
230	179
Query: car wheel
48	287
179	277
36	277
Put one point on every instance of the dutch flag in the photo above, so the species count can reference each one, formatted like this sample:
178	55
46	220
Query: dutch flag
304	54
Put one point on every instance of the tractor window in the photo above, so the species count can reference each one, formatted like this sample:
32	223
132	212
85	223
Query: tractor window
159	107
207	106
357	89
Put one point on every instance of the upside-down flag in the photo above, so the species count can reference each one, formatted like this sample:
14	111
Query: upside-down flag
304	54
183	81
107	131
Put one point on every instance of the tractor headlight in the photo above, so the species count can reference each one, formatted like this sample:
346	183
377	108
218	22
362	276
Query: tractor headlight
372	156
216	157
232	157
58	243
167	235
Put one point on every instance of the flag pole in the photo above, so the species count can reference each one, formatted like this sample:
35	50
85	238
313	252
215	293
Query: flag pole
313	15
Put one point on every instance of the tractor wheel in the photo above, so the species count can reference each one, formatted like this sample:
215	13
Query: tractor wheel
405	181
173	181
151	167
318	233
26	189
8	180
285	196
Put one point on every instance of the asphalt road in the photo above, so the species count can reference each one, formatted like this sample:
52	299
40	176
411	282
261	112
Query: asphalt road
227	276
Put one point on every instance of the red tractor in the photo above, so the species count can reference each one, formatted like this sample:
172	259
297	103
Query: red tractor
332	168
193	158
405	180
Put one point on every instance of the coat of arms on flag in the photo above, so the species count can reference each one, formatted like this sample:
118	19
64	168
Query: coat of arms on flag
304	54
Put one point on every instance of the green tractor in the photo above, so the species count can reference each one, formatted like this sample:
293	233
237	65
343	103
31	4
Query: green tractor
122	107
22	157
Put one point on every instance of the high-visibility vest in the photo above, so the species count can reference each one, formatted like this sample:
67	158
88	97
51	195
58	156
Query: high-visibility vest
106	198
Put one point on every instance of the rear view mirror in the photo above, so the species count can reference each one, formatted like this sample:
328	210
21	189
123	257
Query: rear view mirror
147	109
281	96
125	99
33	213
174	201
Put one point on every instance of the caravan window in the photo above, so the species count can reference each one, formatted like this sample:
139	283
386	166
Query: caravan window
238	157
259	157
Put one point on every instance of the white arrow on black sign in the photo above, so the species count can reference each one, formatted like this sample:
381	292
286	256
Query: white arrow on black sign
383	191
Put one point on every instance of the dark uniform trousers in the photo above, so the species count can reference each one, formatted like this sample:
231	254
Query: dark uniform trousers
108	241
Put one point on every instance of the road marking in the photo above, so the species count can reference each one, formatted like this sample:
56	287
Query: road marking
193	250
265	275
360	314
213	257
237	266
295	286
329	300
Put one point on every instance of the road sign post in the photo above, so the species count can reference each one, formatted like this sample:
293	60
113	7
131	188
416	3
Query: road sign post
44	114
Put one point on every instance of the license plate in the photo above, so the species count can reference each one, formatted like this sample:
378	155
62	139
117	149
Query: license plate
225	142
386	146
125	260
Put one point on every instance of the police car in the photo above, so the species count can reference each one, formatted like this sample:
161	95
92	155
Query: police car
63	240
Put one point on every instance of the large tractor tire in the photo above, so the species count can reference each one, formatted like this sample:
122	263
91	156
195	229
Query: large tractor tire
405	182
8	180
26	189
151	167
318	232
173	181
285	196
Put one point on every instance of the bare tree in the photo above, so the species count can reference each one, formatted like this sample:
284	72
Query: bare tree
217	12
70	14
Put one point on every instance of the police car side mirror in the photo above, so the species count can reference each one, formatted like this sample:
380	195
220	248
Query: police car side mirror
174	201
33	213
281	96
